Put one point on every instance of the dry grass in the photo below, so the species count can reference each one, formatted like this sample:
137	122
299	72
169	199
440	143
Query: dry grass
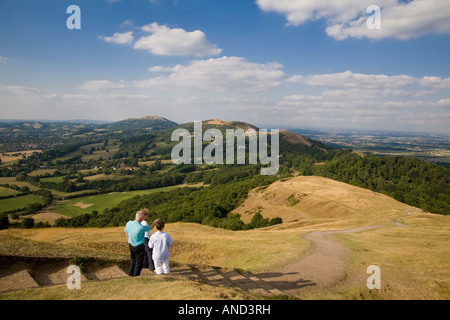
46	216
193	244
414	261
323	204
141	288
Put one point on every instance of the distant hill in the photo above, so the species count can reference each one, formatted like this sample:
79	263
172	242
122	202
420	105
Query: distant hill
145	124
295	138
220	124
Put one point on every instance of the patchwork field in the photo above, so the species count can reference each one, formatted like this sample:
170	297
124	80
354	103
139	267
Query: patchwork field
10	157
78	206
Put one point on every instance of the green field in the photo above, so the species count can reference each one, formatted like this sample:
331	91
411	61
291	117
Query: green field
53	179
78	206
4	192
19	202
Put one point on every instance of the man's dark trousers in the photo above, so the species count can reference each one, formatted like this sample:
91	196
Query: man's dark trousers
137	260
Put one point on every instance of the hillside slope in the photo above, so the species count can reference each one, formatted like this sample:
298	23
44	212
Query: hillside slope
310	200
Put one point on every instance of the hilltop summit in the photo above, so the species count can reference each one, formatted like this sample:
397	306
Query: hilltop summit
148	123
234	124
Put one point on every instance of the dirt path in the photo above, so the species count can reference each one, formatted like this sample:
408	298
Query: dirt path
324	264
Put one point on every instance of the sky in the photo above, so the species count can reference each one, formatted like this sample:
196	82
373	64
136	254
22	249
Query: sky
272	63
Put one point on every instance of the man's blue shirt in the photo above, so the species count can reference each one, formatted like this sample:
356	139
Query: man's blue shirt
136	233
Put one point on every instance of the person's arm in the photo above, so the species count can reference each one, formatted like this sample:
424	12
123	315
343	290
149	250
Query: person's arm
153	224
169	240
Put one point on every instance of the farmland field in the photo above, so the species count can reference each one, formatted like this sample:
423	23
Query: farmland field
53	179
4	192
18	202
78	206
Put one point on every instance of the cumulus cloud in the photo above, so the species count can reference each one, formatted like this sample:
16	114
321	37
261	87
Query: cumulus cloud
97	85
177	68
175	42
298	12
120	38
356	100
347	18
225	74
350	80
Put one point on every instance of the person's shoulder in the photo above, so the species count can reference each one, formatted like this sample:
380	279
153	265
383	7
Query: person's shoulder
145	223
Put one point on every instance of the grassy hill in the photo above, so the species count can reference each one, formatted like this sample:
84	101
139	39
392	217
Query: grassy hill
322	202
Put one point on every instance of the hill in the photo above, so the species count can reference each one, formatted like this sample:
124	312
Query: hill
146	124
231	124
322	202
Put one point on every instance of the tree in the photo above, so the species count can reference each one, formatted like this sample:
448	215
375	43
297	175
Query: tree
4	221
27	223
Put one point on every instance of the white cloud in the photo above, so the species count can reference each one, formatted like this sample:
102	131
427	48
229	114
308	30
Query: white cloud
295	104
349	80
177	68
220	75
175	42
225	74
127	24
120	38
347	18
375	101
98	85
298	12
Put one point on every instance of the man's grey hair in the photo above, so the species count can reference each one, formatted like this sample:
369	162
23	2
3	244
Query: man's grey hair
140	215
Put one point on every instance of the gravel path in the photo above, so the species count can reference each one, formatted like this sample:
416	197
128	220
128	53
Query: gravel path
324	264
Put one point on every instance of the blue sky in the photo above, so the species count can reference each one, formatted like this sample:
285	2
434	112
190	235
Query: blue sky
273	63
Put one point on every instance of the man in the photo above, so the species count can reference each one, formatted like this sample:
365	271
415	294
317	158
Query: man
135	233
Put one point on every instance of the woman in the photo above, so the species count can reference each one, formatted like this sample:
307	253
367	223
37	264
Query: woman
148	261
